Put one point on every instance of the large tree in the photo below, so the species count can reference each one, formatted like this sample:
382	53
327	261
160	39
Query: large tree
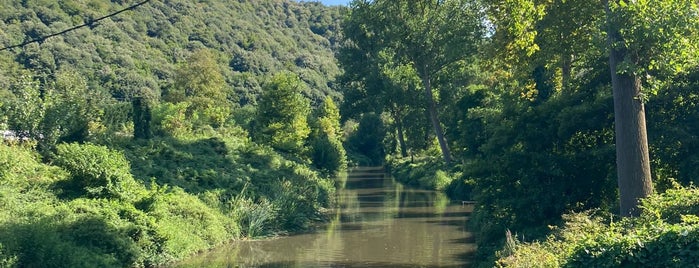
645	38
282	114
429	35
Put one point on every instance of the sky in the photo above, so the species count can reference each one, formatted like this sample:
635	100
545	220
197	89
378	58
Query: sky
335	2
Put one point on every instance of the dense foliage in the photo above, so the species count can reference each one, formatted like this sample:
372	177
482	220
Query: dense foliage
143	52
159	201
530	118
665	235
134	142
179	125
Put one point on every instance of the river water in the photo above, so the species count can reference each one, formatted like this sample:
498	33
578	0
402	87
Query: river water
378	223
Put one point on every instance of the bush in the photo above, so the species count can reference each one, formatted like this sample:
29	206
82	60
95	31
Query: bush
328	155
665	235
103	217
186	224
426	173
97	171
170	119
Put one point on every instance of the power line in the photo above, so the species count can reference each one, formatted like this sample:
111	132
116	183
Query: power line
89	23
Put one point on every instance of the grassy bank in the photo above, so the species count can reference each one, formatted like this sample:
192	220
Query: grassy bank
150	202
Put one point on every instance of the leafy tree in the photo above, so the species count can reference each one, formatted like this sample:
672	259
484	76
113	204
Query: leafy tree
201	83
328	153
282	114
61	111
141	118
428	35
368	140
637	35
379	85
673	127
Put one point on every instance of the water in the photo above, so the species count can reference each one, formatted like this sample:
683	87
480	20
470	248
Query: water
378	223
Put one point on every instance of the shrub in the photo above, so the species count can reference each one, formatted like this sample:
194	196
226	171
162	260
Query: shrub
426	173
328	155
185	224
665	235
97	171
254	218
170	119
671	205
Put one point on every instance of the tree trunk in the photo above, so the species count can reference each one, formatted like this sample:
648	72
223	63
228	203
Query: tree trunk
434	118
633	162
401	137
566	69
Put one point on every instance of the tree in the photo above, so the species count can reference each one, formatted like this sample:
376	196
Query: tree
61	110
328	154
429	35
141	118
633	161
645	40
638	33
282	114
367	140
377	84
201	83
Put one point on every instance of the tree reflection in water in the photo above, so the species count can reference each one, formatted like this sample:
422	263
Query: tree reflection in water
377	223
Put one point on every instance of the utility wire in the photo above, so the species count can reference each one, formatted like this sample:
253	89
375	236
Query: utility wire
89	23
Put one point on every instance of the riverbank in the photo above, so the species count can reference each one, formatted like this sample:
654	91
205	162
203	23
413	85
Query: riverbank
376	222
429	172
147	203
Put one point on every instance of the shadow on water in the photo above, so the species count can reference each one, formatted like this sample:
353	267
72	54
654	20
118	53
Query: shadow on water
377	223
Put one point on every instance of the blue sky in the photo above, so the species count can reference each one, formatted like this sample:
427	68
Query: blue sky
335	2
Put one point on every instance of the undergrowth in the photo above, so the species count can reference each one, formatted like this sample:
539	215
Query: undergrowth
665	235
150	202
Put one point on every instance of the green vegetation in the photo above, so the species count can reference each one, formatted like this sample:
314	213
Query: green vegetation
180	125
664	235
282	116
159	201
150	136
544	115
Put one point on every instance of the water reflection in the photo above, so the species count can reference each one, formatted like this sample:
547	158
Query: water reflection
378	223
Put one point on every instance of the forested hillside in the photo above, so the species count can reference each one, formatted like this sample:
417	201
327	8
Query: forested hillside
137	53
165	130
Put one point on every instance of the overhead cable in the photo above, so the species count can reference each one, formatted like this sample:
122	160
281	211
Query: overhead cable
89	23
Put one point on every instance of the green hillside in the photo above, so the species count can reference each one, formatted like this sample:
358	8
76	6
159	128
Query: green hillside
164	131
136	53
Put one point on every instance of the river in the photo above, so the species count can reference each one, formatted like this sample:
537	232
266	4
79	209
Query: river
377	223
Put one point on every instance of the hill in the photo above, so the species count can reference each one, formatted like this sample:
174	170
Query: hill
136	53
146	137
